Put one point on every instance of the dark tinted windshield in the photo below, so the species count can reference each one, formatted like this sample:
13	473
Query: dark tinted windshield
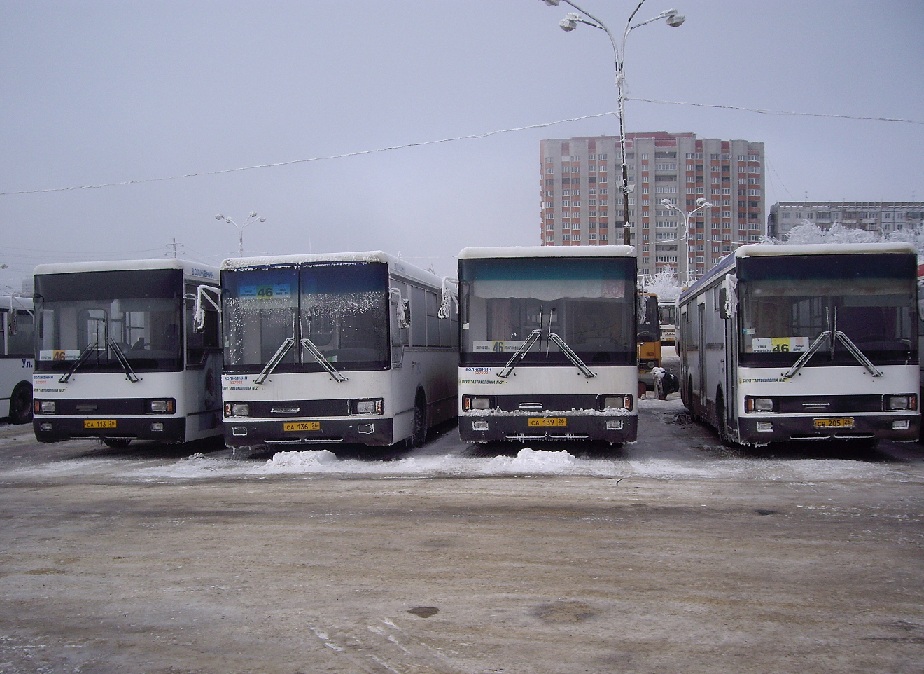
786	303
589	302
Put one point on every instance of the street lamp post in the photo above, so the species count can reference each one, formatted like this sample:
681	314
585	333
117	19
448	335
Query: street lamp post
253	217
568	24
701	203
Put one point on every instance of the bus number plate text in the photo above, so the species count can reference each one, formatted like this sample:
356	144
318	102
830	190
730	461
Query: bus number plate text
547	421
99	423
834	422
301	426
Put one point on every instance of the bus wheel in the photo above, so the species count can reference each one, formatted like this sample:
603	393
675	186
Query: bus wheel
21	404
117	443
419	432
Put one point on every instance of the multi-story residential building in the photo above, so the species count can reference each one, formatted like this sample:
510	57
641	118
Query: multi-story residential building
882	217
582	198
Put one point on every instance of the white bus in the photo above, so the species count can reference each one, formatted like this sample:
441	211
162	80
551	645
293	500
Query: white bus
117	354
16	358
335	348
548	346
809	342
667	317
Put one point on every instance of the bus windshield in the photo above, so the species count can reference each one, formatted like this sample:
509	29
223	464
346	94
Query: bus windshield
588	302
341	308
786	304
107	318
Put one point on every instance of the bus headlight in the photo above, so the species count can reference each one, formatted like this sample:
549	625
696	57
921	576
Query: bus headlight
166	406
752	404
905	402
477	403
371	406
44	406
618	402
237	410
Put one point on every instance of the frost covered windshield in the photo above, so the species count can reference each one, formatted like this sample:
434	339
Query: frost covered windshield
787	303
341	307
96	315
589	302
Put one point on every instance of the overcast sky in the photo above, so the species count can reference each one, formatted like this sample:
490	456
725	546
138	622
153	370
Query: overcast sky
94	93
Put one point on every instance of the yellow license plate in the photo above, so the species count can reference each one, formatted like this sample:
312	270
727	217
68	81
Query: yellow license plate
834	422
99	423
301	426
547	421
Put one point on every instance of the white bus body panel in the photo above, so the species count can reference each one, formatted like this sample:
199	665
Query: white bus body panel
197	414
15	376
533	421
425	370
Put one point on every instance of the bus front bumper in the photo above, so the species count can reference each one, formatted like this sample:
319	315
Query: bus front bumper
54	428
289	434
762	430
551	426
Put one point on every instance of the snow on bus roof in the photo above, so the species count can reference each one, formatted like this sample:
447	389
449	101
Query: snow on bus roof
548	251
753	250
192	268
396	263
768	250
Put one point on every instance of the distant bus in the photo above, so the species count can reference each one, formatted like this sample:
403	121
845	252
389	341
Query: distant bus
16	358
667	317
804	343
649	339
548	346
335	348
118	356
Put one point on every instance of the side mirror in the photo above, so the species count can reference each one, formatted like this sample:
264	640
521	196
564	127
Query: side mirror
723	303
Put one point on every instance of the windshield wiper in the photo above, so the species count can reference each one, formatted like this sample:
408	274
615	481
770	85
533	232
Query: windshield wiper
859	355
326	364
129	372
845	340
520	353
804	358
77	363
571	355
271	364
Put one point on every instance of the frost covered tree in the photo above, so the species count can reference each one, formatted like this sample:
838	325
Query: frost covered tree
808	232
664	284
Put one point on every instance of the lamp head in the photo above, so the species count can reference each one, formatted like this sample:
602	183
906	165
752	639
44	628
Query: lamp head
569	23
674	19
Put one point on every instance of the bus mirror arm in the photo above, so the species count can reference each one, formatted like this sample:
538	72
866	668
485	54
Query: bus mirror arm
211	295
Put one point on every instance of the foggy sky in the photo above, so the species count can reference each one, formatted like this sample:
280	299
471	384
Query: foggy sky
101	92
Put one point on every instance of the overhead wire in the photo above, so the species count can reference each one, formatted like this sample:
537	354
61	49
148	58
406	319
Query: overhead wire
474	136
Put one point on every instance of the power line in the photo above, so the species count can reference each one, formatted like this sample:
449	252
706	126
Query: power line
760	111
474	136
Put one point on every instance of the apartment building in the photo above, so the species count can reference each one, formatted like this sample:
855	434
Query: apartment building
882	217
582	198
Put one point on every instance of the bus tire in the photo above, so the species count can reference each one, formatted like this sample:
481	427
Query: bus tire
419	430
21	404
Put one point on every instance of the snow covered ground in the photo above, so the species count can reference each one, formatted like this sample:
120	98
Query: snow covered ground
668	448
